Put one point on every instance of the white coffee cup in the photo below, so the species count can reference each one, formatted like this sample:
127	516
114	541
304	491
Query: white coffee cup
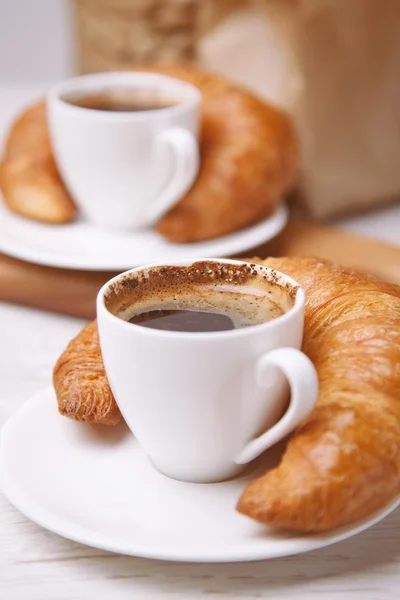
197	402
125	170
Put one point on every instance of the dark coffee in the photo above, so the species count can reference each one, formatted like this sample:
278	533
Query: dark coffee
184	320
121	101
205	297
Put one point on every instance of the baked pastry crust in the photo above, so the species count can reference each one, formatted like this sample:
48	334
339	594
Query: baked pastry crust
29	179
81	384
344	462
249	161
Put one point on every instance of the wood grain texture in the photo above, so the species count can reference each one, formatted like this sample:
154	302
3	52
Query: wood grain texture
74	292
63	291
301	238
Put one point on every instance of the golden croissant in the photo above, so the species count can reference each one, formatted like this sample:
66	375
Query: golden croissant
249	161
29	179
343	463
81	383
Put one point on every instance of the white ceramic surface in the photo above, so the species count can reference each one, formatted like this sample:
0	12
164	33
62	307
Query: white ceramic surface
82	246
125	169
105	493
196	402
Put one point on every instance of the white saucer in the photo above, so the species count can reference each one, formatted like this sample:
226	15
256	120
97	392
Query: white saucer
82	246
94	485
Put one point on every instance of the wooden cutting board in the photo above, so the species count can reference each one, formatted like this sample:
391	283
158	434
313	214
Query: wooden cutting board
74	292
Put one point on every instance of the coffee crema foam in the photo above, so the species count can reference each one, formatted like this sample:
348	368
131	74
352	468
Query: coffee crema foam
249	294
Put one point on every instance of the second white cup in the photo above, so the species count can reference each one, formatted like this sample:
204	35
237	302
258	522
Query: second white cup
125	170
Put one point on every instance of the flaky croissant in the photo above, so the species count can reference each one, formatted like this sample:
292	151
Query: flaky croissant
80	381
29	178
249	160
344	462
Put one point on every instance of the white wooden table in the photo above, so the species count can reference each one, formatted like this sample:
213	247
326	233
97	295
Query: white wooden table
38	565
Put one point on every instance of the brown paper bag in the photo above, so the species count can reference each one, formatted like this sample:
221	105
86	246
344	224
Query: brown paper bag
334	64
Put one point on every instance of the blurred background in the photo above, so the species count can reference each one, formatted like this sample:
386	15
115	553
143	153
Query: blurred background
37	40
332	64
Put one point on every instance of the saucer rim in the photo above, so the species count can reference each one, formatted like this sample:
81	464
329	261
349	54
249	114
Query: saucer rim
13	245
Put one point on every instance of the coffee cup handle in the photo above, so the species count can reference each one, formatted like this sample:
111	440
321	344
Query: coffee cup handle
185	151
303	381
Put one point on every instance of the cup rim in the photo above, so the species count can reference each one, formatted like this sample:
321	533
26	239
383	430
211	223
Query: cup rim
93	81
297	307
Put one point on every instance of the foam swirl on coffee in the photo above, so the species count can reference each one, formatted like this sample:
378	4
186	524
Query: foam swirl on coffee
176	297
